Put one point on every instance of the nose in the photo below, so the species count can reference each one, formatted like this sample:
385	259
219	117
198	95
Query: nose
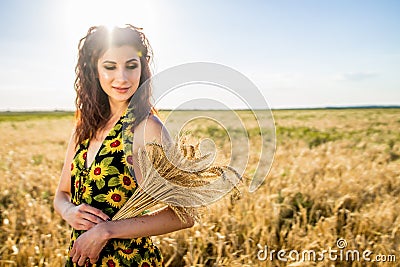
121	75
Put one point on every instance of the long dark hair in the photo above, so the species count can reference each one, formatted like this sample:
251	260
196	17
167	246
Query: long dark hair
92	105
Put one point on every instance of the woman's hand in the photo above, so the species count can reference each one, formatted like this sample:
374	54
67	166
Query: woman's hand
84	216
89	245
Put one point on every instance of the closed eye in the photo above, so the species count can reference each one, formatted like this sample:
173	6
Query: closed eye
108	67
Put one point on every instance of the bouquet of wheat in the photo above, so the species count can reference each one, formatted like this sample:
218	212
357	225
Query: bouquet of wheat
178	175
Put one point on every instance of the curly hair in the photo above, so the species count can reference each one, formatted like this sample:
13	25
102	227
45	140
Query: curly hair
92	105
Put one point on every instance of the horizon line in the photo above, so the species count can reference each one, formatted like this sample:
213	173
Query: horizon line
238	109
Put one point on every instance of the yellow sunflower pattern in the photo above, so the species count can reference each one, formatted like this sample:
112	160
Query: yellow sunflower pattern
74	169
125	251
87	192
126	180
128	131
110	261
112	146
115	198
107	184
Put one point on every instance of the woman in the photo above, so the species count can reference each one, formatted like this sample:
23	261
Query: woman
95	180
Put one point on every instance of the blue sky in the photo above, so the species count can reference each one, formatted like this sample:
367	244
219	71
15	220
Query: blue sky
298	53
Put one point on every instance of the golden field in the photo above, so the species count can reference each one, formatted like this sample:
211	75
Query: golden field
336	174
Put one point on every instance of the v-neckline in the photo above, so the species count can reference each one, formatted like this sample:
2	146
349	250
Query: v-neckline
85	164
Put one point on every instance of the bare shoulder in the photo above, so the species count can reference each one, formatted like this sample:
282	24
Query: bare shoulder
150	129
154	122
151	125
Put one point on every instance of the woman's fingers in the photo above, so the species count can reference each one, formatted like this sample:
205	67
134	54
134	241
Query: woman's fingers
76	258
93	260
91	218
85	225
72	252
87	247
78	254
82	260
96	212
84	217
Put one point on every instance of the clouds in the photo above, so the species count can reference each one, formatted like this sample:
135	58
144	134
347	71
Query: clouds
357	76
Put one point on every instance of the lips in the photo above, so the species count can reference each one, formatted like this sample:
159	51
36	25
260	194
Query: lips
121	89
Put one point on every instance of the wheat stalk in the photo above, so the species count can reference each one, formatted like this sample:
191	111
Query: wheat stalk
174	176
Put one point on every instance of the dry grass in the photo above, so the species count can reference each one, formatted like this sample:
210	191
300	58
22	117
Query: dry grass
336	174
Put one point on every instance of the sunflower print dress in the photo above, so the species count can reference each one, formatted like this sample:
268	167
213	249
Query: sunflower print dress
107	184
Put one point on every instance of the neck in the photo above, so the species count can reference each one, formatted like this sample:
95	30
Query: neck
117	108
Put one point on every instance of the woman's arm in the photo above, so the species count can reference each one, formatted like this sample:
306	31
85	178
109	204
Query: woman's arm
162	221
82	217
159	222
89	244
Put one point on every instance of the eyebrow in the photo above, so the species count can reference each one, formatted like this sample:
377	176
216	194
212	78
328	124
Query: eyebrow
113	62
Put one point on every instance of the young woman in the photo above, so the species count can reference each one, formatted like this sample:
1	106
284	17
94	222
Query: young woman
95	180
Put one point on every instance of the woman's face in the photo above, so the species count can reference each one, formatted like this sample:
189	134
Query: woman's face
119	73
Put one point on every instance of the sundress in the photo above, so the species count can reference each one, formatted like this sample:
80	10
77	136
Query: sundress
106	185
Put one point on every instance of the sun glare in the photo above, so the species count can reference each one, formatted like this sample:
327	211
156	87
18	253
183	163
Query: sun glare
80	15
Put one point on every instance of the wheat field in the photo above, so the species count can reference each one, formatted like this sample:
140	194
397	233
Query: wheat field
335	175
